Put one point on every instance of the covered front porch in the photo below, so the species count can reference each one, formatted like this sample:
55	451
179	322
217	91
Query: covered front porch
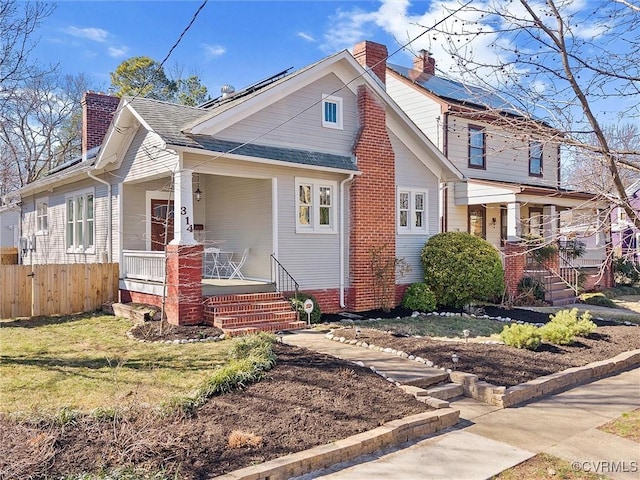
200	245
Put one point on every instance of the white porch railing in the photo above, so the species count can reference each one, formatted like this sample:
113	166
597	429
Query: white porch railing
143	265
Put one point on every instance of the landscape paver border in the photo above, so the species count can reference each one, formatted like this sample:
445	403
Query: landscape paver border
390	434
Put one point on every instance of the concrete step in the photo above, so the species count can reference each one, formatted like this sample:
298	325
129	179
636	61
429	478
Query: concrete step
264	327
445	391
429	377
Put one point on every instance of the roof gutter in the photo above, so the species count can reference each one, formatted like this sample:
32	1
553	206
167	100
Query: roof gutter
109	213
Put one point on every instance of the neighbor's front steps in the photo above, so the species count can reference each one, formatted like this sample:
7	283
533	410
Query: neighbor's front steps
243	314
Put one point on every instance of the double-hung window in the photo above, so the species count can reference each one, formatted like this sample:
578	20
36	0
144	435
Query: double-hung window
42	216
80	221
331	112
477	147
412	211
315	206
535	159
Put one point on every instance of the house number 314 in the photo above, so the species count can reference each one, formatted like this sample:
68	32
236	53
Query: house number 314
183	212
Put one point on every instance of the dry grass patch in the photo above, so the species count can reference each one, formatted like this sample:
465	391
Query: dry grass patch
86	361
240	439
626	426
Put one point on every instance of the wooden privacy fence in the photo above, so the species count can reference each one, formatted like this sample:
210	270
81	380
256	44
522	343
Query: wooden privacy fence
56	289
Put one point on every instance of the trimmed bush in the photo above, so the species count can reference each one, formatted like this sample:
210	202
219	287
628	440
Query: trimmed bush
565	326
598	299
521	336
298	304
460	269
419	297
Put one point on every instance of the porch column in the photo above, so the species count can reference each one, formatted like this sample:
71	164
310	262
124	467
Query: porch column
513	222
550	219
183	305
183	221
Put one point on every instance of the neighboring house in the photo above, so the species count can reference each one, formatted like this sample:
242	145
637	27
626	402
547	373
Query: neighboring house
511	185
9	230
311	171
625	236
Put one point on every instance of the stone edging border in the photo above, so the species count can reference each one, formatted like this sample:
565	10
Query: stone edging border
508	397
323	456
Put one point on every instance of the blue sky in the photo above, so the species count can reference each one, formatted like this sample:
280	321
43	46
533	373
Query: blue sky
235	42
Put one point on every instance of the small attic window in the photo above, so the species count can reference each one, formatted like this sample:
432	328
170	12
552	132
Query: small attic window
331	112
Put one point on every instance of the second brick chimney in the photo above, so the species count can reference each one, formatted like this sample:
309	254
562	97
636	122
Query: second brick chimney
372	55
425	63
97	113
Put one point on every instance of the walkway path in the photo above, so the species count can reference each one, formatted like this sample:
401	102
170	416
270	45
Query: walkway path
489	440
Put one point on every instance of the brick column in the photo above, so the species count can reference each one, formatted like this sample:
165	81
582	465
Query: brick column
372	203
183	305
515	259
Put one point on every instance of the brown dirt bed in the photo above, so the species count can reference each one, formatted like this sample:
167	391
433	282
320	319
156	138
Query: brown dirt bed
308	399
507	366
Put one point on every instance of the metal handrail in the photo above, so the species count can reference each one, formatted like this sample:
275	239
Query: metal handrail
284	281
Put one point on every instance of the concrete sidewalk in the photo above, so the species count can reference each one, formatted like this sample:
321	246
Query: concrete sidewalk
489	440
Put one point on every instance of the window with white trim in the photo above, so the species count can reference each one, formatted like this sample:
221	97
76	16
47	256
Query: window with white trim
412	211
331	112
315	206
42	216
80	225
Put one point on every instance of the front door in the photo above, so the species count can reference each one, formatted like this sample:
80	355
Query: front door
161	223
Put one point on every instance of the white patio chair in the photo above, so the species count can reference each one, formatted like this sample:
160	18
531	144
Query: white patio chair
237	265
210	262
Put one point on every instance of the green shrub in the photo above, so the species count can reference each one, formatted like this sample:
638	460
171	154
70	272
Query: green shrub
598	299
625	272
460	269
298	304
532	288
419	297
521	336
565	326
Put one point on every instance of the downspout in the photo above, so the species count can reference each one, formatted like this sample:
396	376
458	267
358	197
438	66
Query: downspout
445	192
342	184
109	213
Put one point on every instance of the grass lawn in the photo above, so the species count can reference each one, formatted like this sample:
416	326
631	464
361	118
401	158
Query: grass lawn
547	467
626	426
435	326
87	361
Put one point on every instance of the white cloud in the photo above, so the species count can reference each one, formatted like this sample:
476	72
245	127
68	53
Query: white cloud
90	33
213	51
306	36
118	52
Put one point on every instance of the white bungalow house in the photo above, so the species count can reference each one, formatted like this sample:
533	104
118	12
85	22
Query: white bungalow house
304	172
511	187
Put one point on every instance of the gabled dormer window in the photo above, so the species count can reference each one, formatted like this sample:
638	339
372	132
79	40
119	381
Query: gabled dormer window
477	147
535	159
332	112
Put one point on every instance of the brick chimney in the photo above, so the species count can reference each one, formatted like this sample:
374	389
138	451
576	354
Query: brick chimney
97	113
425	63
372	55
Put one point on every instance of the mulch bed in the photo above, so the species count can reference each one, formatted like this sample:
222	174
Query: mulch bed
507	366
308	399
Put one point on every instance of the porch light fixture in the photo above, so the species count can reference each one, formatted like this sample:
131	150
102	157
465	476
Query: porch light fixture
198	192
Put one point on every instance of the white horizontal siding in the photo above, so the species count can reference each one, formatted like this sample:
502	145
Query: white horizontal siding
412	173
423	111
296	121
146	158
51	247
507	155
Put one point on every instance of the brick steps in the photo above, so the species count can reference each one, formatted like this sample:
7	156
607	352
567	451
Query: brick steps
247	313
